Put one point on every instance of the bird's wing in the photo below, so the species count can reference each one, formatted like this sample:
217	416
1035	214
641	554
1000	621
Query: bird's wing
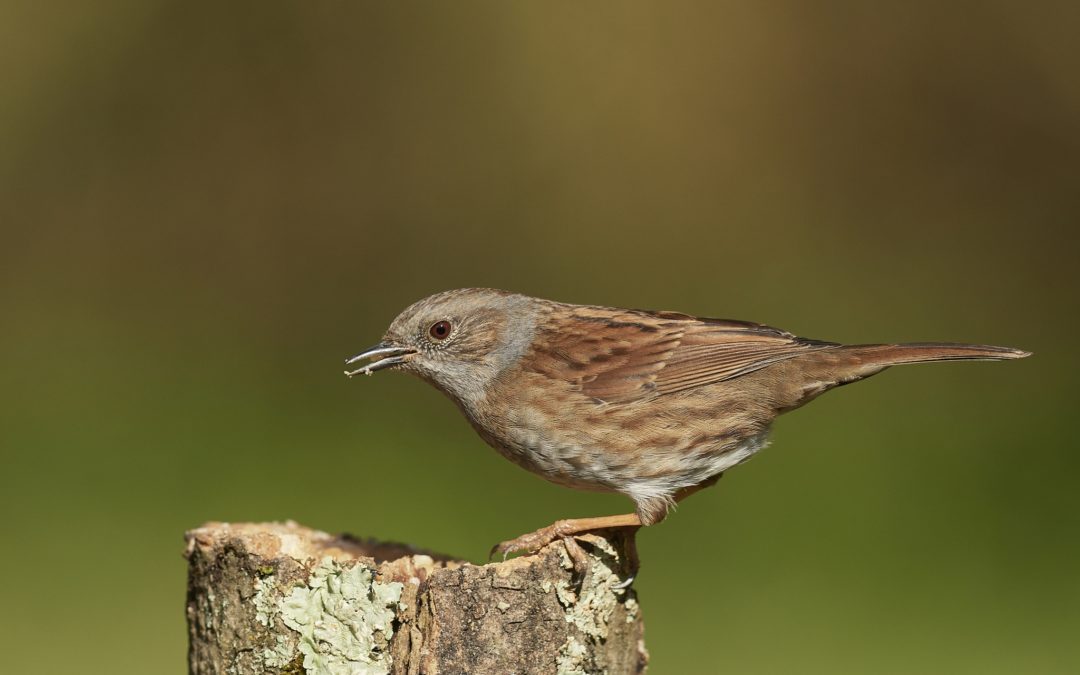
628	355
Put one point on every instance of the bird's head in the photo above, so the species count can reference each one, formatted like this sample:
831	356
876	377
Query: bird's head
457	340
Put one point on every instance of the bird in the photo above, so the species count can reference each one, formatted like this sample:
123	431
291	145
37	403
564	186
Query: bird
654	405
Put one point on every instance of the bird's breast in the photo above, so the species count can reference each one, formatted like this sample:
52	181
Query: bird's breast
574	440
546	436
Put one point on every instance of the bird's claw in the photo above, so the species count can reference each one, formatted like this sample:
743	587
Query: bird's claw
566	530
527	543
578	558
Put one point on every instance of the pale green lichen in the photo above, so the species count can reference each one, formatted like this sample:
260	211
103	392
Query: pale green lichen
265	607
344	619
281	655
572	658
266	610
589	609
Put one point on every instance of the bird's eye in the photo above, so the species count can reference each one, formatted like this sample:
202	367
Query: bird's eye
439	330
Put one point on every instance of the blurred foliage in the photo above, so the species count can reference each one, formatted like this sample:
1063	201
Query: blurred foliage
205	206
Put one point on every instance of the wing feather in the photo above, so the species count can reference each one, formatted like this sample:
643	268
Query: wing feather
624	355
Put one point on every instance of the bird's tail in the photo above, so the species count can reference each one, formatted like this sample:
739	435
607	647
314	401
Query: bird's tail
834	366
858	361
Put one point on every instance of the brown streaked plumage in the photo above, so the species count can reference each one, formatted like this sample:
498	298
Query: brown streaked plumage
654	405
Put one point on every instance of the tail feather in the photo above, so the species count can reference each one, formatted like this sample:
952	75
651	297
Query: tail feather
865	360
834	366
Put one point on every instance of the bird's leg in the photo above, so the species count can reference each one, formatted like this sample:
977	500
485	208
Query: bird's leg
633	564
648	514
534	541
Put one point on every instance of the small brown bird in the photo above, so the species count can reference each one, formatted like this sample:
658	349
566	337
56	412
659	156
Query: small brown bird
654	405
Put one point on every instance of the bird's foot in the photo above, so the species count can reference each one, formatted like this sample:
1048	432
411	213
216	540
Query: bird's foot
566	530
534	541
578	558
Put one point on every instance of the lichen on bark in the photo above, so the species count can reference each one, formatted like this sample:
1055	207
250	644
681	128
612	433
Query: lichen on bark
590	606
344	619
277	598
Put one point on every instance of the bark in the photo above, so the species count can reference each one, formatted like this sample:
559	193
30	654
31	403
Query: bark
281	598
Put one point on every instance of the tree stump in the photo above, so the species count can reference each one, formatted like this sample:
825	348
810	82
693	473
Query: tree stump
282	598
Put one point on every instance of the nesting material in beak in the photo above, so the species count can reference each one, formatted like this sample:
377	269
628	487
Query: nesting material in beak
387	356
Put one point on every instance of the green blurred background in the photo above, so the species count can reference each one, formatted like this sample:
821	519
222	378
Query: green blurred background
206	206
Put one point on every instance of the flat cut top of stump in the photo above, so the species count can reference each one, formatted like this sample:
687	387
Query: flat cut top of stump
283	598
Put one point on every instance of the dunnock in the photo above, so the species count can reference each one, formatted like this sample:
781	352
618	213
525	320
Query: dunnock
655	405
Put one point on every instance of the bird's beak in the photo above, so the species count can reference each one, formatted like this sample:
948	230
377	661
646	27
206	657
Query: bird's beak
386	355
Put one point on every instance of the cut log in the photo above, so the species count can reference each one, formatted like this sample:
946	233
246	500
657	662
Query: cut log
282	598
